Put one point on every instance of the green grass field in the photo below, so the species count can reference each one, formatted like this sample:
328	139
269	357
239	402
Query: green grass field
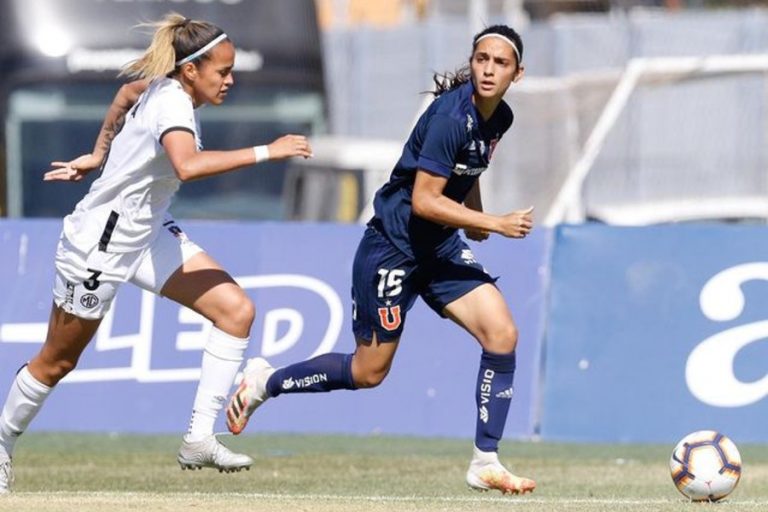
332	473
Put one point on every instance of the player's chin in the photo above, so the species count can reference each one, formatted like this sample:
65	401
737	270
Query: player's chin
490	93
218	99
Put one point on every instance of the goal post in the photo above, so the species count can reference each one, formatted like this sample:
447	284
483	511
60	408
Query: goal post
568	204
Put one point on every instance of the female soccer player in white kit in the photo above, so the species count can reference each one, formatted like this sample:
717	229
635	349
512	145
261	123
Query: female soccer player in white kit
121	231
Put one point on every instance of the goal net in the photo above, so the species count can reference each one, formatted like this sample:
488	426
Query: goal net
664	140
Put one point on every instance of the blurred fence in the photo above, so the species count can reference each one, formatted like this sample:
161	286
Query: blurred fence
677	138
681	144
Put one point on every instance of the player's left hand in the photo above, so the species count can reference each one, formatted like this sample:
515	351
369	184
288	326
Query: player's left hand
74	170
290	145
477	235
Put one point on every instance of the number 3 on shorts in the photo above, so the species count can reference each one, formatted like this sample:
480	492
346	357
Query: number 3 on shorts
92	282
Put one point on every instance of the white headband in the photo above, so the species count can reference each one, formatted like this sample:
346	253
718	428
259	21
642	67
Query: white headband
505	38
202	50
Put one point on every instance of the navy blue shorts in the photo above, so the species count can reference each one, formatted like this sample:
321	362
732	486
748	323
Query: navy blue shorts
386	282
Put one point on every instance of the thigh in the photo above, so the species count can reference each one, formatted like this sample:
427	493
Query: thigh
452	275
484	313
202	285
169	251
382	289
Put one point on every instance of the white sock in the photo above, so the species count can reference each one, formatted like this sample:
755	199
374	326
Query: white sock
25	398
221	360
480	458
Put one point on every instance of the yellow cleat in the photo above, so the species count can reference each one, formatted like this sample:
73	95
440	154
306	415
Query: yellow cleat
486	473
251	393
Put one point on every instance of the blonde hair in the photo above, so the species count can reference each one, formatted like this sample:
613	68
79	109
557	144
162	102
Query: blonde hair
175	37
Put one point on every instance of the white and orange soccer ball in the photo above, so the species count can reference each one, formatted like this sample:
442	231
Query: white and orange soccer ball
705	466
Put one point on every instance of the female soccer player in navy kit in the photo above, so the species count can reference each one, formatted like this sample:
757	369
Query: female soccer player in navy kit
411	248
121	231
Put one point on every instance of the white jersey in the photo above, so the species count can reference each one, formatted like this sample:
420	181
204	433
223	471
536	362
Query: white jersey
124	209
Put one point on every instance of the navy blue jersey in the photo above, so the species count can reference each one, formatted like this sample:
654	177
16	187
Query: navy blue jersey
450	139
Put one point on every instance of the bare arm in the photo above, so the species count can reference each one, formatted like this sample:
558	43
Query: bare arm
75	170
430	203
126	97
474	201
191	164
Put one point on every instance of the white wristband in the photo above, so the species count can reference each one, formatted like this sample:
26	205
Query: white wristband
261	153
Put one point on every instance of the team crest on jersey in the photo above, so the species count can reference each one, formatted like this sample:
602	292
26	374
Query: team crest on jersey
176	230
390	318
473	146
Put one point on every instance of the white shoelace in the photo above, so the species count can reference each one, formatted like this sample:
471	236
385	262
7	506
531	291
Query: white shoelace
221	452
7	472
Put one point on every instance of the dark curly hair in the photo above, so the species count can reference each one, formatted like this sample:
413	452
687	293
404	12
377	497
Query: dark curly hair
448	81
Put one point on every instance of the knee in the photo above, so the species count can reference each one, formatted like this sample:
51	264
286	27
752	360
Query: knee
246	311
62	368
238	313
369	377
501	339
50	372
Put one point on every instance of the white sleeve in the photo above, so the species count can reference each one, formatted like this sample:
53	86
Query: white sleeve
174	112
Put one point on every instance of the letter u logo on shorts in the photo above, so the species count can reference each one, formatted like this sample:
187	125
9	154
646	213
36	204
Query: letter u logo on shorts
390	317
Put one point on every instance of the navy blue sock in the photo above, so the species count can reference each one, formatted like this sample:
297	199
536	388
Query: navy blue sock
493	394
322	373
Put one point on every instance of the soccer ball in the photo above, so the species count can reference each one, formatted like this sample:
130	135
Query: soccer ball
705	466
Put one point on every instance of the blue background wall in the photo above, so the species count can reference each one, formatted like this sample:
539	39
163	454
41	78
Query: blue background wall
139	373
627	334
626	313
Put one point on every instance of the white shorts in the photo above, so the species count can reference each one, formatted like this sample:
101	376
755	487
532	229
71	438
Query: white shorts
86	283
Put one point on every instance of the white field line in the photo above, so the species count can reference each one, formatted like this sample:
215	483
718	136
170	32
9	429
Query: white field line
102	495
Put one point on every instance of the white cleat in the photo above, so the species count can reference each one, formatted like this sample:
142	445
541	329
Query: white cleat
210	453
6	474
486	473
251	393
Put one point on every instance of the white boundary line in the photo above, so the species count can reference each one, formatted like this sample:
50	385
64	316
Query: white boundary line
397	499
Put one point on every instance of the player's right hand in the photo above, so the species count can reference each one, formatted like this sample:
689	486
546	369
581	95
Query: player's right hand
74	170
517	224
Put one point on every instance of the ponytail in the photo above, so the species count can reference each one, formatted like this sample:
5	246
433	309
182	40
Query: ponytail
175	38
448	81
